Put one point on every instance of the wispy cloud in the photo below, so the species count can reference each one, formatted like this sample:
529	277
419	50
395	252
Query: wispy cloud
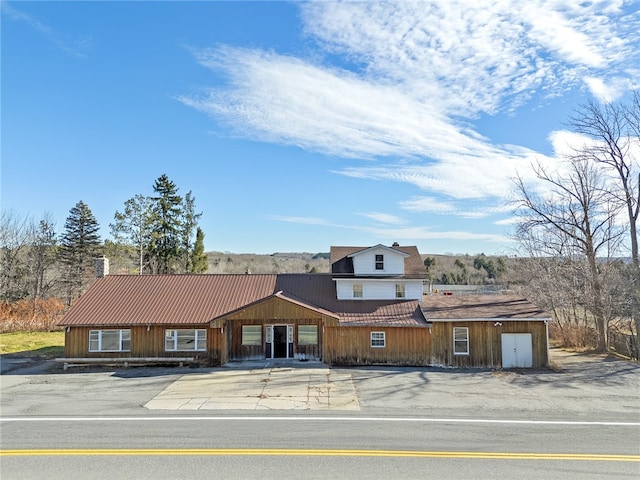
385	218
73	45
412	78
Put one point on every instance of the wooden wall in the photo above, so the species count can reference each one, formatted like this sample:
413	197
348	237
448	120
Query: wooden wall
146	343
352	346
274	311
485	343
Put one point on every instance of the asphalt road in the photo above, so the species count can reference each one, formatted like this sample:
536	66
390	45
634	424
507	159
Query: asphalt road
578	421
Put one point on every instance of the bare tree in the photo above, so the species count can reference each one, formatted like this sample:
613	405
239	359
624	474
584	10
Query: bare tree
616	131
14	243
574	220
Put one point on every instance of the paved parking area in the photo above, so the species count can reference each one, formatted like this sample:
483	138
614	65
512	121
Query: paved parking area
278	388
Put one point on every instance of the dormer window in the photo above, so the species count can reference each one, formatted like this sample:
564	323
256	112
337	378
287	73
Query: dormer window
379	262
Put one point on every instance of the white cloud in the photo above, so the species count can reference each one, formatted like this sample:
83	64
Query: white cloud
608	90
409	72
385	218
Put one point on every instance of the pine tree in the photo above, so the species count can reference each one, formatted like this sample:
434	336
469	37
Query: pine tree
79	245
199	260
167	209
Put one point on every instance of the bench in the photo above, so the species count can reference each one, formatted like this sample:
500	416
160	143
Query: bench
126	361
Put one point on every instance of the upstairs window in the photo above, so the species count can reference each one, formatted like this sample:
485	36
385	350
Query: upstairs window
357	290
379	262
400	293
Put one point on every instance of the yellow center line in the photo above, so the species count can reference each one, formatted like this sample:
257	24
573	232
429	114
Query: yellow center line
328	453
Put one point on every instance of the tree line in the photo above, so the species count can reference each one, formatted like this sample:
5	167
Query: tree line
155	234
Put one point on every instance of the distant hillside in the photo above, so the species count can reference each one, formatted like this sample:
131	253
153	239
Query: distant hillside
222	262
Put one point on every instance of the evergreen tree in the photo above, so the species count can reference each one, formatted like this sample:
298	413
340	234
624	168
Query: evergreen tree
189	223
199	260
79	245
166	234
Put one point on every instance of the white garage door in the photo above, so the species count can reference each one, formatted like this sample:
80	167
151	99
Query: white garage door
516	350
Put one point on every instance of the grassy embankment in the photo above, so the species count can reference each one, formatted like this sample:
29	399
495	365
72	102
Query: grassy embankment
47	344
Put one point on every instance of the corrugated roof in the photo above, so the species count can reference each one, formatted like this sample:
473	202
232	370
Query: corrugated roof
341	262
198	299
481	307
166	299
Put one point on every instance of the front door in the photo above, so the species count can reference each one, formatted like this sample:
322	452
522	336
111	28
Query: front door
280	341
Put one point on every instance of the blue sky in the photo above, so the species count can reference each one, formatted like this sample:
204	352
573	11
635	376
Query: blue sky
300	125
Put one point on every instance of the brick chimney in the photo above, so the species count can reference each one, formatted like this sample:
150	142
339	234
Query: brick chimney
102	266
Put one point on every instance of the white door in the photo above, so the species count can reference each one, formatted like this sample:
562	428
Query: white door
517	350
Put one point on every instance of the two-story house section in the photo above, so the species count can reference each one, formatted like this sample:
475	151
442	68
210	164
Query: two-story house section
377	273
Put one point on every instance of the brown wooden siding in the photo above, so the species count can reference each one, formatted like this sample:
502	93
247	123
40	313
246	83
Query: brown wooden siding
352	346
485	343
274	311
146	343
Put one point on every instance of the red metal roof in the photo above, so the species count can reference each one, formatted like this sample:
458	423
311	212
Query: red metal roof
481	307
198	299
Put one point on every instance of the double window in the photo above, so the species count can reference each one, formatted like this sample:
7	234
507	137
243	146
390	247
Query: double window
460	341
379	262
185	340
378	340
109	340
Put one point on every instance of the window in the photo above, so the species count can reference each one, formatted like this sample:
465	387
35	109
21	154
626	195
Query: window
460	341
357	290
185	340
400	290
109	340
379	262
252	335
377	339
307	334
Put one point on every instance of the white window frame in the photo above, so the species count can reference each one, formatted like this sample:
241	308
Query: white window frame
378	340
460	334
401	290
307	334
379	261
124	340
172	339
253	333
358	290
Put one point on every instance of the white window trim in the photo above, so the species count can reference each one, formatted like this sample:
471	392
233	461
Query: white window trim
380	336
404	290
174	334
120	340
353	290
466	330
376	262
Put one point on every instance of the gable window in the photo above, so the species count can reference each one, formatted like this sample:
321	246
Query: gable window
400	292
307	334
185	340
357	290
378	339
252	335
379	262
460	341
109	340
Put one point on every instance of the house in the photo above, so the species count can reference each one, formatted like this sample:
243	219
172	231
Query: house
369	310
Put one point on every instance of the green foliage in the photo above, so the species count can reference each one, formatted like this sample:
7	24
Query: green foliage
167	212
199	260
133	227
79	246
493	270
